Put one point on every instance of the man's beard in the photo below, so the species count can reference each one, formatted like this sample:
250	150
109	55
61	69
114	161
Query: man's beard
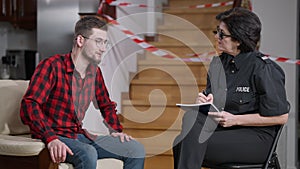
91	59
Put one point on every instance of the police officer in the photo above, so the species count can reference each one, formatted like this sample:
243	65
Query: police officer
248	89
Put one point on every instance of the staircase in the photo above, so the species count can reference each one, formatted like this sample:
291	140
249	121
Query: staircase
148	110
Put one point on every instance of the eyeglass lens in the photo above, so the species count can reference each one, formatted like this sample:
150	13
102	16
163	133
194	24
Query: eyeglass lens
220	33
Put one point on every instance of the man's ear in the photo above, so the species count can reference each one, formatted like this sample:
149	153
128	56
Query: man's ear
80	40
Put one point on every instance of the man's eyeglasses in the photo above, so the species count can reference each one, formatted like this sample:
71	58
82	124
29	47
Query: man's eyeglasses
221	34
99	41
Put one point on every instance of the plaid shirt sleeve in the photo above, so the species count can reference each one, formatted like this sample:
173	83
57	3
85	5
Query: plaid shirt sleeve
106	106
31	105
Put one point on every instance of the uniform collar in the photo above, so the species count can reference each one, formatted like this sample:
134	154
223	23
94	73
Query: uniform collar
240	59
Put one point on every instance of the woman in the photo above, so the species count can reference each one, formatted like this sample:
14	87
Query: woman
247	87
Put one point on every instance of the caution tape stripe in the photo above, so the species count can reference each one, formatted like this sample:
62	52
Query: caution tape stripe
203	57
128	4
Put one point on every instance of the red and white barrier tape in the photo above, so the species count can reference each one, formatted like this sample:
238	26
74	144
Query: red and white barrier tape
128	4
212	5
274	58
138	40
203	57
283	59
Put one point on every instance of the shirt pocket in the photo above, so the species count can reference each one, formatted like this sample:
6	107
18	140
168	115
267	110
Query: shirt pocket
244	102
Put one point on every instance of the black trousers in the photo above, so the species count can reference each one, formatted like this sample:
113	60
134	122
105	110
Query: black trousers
203	141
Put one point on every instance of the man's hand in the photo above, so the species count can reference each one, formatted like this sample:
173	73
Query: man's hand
58	151
122	136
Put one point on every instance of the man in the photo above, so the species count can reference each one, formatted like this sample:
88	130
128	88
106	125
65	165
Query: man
59	94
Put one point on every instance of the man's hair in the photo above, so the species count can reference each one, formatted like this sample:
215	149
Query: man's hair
84	25
244	26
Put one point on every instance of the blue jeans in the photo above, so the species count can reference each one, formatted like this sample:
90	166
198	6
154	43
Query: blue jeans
86	152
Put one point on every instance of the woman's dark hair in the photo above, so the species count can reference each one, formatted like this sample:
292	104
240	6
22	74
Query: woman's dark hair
243	25
84	25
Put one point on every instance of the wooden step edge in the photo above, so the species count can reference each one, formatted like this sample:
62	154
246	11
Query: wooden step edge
163	153
180	44
170	62
170	27
132	126
199	11
167	82
128	102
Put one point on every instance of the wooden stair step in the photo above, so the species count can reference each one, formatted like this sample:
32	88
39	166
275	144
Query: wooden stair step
164	91
150	116
172	31
155	141
159	162
174	10
181	3
185	6
182	25
208	19
127	102
168	82
146	102
181	50
207	44
156	73
195	36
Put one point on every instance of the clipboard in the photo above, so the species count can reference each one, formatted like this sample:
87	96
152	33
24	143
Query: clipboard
200	107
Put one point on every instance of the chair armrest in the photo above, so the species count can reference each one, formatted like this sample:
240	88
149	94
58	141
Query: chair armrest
20	146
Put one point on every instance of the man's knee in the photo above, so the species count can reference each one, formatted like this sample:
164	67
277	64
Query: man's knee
138	149
87	155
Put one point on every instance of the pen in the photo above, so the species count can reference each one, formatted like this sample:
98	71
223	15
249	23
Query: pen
205	93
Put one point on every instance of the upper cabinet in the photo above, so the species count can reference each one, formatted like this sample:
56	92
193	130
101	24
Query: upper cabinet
20	13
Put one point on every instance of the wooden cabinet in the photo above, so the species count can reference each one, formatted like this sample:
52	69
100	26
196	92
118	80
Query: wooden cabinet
6	7
20	13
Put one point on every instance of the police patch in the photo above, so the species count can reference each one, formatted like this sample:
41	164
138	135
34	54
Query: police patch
242	89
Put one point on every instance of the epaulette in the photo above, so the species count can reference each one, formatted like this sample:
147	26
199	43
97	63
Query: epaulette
265	58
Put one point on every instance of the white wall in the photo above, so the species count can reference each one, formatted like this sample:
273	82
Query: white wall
16	39
122	58
280	38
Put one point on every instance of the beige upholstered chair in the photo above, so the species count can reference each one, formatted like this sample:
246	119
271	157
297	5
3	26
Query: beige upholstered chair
17	149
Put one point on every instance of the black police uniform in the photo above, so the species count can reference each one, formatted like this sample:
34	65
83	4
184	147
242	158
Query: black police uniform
245	84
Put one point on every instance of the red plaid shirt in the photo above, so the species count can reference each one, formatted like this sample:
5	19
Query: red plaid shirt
57	99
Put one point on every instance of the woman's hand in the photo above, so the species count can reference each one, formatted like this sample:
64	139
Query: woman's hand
204	99
224	118
122	136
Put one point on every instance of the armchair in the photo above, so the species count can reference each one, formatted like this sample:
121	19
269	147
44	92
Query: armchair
17	149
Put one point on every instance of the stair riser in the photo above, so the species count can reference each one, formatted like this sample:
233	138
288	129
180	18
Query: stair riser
155	142
181	3
183	51
200	19
159	162
192	18
193	37
181	94
190	73
152	117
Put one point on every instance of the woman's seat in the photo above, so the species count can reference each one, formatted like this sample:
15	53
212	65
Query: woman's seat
270	163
